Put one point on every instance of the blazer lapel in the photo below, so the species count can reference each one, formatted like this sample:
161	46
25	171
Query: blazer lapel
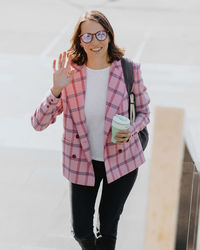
76	100
115	93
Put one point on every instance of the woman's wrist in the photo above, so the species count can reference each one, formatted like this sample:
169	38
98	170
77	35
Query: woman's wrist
56	92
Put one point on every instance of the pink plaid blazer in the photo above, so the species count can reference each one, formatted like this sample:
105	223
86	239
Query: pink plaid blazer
119	159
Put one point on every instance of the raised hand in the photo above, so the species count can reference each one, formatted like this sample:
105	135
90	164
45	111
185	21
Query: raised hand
61	76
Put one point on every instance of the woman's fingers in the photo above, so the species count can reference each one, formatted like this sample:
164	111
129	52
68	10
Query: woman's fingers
68	67
54	65
60	62
64	59
122	136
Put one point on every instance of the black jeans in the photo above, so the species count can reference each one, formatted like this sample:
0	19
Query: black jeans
112	201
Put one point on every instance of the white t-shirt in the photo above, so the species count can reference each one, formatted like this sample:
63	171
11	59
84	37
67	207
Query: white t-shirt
95	104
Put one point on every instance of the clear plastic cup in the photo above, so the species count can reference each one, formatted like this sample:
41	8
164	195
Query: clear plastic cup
119	123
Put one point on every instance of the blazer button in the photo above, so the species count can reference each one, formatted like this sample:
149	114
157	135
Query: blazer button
74	156
120	150
77	136
52	100
47	106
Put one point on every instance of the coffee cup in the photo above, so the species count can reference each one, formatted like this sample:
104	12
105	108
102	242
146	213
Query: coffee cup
119	123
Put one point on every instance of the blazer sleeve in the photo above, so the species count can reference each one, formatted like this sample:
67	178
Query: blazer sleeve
142	101
46	113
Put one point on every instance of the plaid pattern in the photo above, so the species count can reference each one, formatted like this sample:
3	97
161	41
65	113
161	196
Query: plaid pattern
119	159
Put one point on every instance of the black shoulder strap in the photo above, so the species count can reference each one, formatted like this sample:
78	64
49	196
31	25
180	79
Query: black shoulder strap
127	67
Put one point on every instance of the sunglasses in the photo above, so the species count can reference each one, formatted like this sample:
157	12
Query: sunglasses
100	35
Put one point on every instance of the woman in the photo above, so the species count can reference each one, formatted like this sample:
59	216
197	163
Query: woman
89	89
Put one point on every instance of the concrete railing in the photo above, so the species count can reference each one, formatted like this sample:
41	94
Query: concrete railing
174	186
188	216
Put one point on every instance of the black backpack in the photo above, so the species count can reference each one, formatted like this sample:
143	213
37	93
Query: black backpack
127	67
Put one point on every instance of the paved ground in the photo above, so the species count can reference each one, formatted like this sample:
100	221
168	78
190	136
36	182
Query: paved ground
162	35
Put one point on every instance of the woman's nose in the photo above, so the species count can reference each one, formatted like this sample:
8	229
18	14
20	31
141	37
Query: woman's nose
94	39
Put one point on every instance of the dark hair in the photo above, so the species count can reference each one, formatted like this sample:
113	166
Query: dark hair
78	54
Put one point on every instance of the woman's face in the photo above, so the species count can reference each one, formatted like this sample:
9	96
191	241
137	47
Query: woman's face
95	49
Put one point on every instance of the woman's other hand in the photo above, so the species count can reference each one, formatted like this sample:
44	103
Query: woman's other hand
62	75
122	136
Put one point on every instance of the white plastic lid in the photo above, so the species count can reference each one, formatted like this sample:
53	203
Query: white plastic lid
120	122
